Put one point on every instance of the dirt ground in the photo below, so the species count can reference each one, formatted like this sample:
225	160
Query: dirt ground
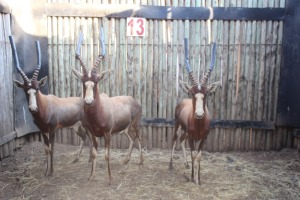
250	175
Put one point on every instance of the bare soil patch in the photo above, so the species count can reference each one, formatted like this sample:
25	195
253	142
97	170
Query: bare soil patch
249	175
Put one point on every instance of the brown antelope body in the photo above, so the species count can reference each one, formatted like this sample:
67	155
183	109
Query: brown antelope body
108	115
192	120
50	112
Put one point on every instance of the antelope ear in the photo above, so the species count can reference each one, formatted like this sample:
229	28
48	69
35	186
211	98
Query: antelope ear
104	74
43	81
212	87
18	84
186	87
76	73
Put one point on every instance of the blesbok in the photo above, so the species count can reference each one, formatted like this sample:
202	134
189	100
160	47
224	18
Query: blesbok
107	115
48	111
192	118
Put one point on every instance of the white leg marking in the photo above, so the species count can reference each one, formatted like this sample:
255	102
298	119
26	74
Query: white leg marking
198	159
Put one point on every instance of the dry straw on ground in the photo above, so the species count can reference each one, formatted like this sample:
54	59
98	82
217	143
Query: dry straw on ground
250	175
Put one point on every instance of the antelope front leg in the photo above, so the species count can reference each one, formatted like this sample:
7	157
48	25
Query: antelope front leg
126	160
78	130
182	142
191	142
93	155
198	157
47	151
197	160
107	148
52	138
173	147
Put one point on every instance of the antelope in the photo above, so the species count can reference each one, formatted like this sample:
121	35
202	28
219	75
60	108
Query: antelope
48	111
107	115
192	118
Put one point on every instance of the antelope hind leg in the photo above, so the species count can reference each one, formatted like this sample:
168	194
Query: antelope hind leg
52	138
173	146
139	138
182	142
141	153
47	151
93	155
127	158
78	129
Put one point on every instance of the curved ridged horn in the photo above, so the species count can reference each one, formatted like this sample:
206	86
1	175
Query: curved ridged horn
193	79
94	69
187	64
96	65
77	56
212	62
205	78
101	56
38	51
16	60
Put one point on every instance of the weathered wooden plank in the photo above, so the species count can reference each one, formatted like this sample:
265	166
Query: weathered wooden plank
7	137
155	85
270	74
236	83
149	80
231	79
217	95
5	150
165	83
225	83
249	80
242	83
170	80
221	107
144	58
50	53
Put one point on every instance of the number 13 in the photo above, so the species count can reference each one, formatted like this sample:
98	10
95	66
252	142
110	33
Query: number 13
136	26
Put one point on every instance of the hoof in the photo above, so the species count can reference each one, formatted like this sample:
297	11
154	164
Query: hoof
141	161
171	166
126	160
50	174
90	178
75	160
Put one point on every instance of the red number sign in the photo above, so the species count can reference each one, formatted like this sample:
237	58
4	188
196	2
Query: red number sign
136	26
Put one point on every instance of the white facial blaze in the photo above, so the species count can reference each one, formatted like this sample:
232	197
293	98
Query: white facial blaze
199	112
32	100
89	95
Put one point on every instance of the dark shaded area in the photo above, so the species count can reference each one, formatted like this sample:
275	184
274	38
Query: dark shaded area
164	12
214	123
288	107
203	13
